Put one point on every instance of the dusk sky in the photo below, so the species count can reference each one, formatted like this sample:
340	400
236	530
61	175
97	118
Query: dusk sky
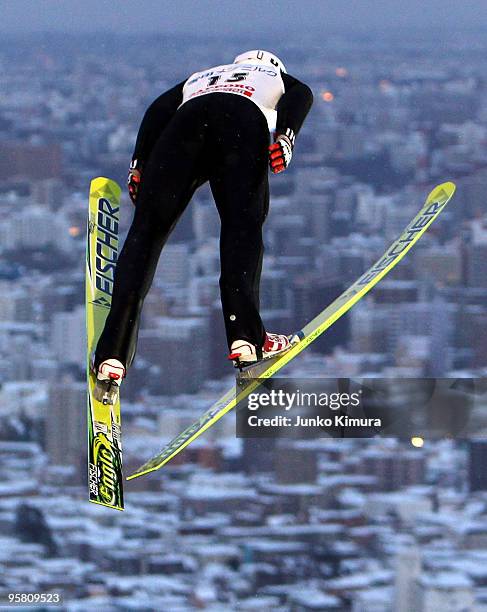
229	16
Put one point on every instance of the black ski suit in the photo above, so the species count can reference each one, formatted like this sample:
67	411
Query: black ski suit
218	137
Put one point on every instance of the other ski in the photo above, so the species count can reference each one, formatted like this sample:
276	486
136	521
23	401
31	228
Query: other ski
104	422
435	203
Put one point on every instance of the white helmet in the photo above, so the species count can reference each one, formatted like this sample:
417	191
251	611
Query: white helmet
269	59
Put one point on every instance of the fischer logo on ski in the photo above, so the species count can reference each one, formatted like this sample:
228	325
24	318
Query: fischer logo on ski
106	245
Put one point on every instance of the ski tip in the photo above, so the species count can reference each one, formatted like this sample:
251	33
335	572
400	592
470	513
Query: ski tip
105	184
444	190
449	186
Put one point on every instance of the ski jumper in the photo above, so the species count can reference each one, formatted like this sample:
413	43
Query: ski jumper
212	127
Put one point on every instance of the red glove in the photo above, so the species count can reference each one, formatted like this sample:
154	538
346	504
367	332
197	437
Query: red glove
280	153
133	180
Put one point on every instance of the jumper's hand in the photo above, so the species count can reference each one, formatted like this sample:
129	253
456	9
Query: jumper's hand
280	153
133	180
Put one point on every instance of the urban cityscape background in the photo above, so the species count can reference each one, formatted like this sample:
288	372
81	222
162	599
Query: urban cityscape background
330	524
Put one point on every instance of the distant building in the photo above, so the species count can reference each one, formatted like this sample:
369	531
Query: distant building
479	344
15	303
178	349
372	600
275	293
48	191
442	264
393	470
206	223
55	298
408	568
309	600
295	463
34	161
258	455
416	318
68	336
34	227
446	591
477	462
66	426
368	329
477	256
174	265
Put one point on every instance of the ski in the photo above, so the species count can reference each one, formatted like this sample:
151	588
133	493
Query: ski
104	424
433	206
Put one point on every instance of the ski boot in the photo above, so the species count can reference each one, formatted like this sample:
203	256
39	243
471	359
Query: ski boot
109	377
244	354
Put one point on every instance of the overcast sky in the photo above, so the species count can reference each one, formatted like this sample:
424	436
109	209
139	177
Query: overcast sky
211	16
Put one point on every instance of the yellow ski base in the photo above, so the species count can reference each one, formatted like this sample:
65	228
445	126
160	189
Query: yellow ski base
104	423
433	206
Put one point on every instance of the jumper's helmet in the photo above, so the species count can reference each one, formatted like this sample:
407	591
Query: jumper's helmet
264	57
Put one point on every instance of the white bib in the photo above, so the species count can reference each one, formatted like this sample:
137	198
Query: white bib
260	83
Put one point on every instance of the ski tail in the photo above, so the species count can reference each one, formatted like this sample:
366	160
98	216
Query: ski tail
434	205
104	421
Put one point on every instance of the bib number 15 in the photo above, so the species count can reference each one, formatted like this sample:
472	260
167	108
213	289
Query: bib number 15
236	76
